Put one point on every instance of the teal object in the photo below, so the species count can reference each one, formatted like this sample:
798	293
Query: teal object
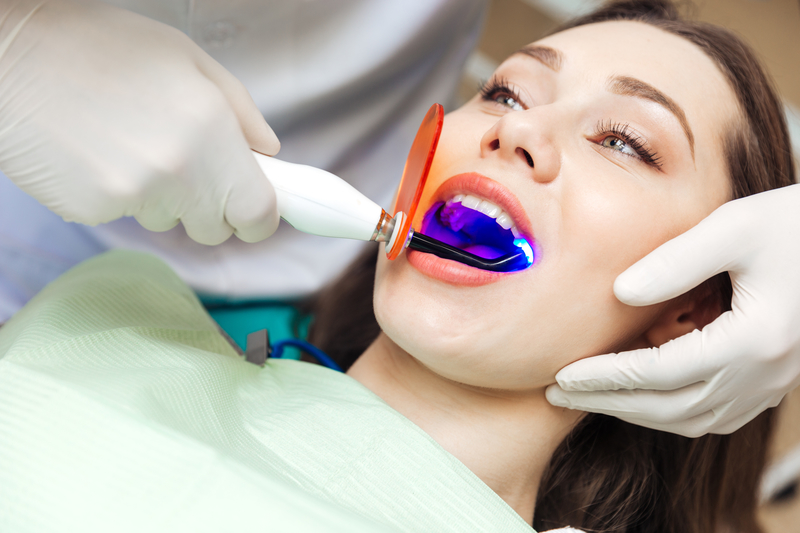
239	319
123	409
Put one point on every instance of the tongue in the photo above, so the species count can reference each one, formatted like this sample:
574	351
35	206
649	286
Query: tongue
468	230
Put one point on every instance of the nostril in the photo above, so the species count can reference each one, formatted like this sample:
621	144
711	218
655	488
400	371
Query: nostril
526	155
494	145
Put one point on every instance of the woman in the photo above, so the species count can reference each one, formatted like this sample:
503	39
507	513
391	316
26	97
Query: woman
596	144
602	141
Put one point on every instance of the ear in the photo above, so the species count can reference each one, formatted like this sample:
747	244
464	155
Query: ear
683	315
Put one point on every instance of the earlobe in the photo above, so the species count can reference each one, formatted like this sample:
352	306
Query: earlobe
673	323
684	315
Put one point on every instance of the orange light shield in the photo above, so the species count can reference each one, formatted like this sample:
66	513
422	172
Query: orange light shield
415	173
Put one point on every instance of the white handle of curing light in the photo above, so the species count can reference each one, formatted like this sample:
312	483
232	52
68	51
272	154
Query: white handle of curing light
318	202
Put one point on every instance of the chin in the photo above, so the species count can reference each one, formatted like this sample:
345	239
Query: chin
462	334
472	354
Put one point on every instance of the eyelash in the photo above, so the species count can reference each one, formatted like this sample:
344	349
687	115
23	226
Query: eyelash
498	86
624	132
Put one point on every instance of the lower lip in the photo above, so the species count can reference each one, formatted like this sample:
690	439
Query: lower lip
450	271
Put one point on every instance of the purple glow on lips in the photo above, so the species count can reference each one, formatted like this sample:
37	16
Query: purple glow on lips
468	230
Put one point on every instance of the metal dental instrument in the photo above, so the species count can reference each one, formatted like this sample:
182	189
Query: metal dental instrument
317	202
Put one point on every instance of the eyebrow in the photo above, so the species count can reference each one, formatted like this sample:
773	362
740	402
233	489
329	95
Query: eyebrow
627	86
622	85
549	57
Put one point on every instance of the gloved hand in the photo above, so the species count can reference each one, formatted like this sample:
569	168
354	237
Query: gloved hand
106	114
718	379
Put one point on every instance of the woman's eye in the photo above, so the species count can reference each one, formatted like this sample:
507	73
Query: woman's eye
623	139
498	91
508	101
615	143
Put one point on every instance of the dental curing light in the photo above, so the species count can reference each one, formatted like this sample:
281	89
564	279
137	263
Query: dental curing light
317	202
505	263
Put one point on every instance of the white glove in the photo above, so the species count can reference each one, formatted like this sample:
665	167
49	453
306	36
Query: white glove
106	114
718	379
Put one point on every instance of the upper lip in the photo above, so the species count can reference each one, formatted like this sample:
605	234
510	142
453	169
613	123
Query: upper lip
487	189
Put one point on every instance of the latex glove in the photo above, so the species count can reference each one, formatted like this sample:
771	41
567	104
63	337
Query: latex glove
564	530
718	379
106	114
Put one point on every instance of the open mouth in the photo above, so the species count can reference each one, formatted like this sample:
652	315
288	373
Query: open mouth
478	227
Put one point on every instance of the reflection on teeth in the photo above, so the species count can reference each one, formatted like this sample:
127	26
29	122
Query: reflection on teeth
489	209
504	221
471	202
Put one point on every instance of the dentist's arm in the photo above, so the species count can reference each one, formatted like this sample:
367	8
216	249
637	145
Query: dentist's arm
106	114
718	379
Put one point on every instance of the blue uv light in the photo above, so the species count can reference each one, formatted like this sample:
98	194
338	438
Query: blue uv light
449	230
523	245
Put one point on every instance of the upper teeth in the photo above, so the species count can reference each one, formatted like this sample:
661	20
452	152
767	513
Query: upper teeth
488	209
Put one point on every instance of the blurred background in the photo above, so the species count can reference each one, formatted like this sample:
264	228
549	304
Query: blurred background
772	27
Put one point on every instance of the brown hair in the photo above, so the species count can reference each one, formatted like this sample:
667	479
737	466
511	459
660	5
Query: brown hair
608	475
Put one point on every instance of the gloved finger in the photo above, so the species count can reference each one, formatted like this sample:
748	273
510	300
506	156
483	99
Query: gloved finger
611	372
659	368
257	132
720	426
564	530
662	407
718	420
251	208
691	358
682	263
205	223
725	424
156	218
693	427
710	421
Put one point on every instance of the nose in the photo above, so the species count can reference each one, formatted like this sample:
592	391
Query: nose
524	138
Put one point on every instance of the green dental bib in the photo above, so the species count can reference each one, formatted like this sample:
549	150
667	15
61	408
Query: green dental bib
123	409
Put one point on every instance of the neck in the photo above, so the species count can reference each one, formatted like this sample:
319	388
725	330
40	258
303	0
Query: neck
505	437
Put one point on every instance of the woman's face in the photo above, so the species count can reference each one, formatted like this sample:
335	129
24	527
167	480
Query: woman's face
601	143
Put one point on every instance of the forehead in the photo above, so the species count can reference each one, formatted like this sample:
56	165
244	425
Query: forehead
629	48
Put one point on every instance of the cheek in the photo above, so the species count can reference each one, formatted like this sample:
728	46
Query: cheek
620	221
606	226
459	142
461	136
611	227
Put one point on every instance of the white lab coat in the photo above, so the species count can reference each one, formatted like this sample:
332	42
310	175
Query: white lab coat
344	84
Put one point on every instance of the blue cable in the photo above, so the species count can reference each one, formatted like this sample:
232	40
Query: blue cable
322	357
